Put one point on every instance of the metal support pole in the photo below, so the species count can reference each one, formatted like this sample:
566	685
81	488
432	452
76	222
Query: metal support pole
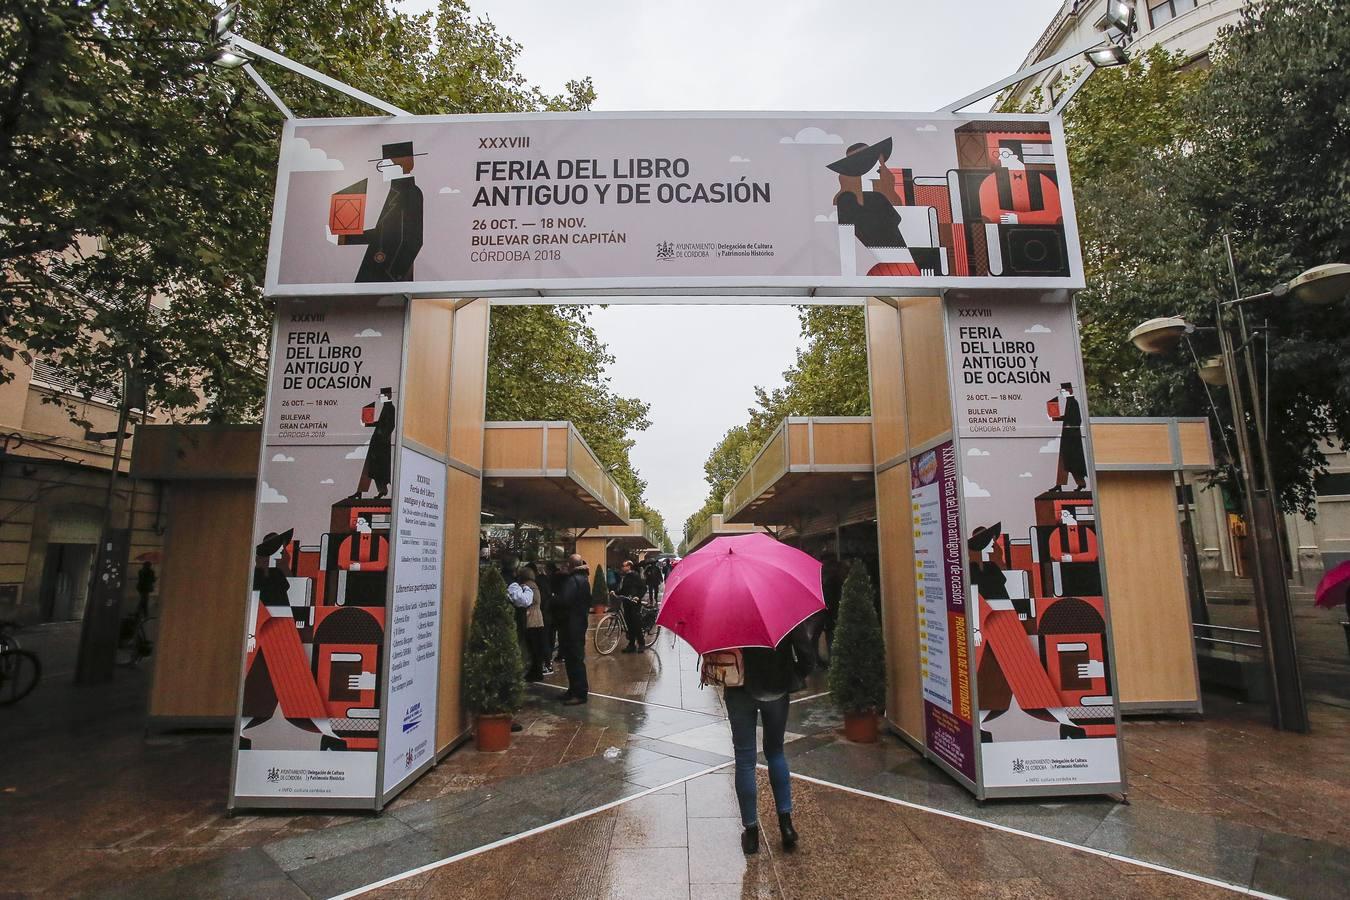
267	90
97	652
1289	711
244	45
1194	581
1022	75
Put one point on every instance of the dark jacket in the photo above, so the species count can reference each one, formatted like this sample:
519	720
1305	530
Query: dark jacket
653	574
575	599
632	586
395	240
781	670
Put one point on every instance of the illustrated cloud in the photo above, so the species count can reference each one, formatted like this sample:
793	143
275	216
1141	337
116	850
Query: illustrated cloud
368	332
301	157
1037	329
330	481
358	453
448	190
832	217
812	135
282	457
738	159
1025	475
976	451
1051	446
929	127
972	489
271	494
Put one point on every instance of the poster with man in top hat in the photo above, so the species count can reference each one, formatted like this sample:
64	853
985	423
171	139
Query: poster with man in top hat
392	245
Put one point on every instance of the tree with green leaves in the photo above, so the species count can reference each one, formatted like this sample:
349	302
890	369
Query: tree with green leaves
1164	162
828	378
494	670
136	179
857	676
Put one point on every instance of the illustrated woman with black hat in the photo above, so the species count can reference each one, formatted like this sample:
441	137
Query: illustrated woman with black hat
988	573
875	221
393	244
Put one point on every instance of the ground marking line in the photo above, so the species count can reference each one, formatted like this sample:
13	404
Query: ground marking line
524	834
698	712
812	697
1038	837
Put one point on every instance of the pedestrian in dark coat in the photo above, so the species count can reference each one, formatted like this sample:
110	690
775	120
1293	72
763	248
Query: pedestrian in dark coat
576	607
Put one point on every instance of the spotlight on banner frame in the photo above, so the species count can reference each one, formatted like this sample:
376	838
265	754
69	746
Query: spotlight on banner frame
1120	14
1107	57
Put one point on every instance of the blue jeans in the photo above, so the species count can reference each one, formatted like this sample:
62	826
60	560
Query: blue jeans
742	711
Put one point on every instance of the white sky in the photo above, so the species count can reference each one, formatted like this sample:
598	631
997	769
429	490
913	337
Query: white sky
697	366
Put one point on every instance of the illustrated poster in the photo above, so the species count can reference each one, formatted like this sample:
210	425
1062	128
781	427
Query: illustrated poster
468	205
941	596
1047	706
310	713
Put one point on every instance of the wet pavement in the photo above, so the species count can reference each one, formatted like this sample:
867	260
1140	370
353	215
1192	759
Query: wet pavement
630	795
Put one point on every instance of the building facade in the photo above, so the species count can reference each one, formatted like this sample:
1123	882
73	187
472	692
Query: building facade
1178	26
53	481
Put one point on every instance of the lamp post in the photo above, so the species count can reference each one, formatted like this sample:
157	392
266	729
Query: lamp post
1270	581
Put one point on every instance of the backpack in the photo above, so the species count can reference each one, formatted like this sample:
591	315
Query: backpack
723	668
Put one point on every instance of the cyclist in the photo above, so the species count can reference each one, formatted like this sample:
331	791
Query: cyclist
631	589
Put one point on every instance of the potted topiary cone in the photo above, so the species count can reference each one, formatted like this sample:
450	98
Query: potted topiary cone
599	591
858	659
494	673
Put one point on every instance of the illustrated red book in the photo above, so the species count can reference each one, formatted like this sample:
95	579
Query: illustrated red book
347	210
1052	409
368	414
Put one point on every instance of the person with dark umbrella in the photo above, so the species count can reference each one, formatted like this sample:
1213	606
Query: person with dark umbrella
393	244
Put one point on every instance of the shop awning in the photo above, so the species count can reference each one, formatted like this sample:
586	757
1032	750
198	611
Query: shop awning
545	474
717	527
808	467
633	535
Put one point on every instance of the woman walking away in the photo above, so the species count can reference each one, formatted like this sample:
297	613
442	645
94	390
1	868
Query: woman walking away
767	678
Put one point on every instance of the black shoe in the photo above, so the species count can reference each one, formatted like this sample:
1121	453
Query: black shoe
789	833
629	649
517	727
574	701
750	840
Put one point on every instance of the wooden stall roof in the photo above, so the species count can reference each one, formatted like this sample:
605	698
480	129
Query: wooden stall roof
204	452
545	473
807	467
716	527
1145	444
635	534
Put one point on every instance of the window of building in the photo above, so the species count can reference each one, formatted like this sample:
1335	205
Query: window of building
1167	10
52	377
1334	484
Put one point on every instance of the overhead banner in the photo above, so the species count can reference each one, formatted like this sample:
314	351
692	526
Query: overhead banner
313	696
1047	709
652	202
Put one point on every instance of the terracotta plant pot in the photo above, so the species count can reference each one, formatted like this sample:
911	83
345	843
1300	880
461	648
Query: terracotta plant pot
861	727
493	733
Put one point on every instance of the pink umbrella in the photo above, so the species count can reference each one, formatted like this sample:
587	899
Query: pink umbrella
1332	588
744	591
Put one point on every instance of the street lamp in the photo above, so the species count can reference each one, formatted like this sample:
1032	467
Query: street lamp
1323	284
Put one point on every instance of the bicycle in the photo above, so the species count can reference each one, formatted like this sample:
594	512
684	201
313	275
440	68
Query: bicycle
19	669
612	626
134	644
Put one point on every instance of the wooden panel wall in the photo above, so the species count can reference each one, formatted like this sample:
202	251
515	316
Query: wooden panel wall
1150	611
924	354
464	501
203	595
842	443
514	449
883	354
1196	447
1116	443
426	404
593	549
895	540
